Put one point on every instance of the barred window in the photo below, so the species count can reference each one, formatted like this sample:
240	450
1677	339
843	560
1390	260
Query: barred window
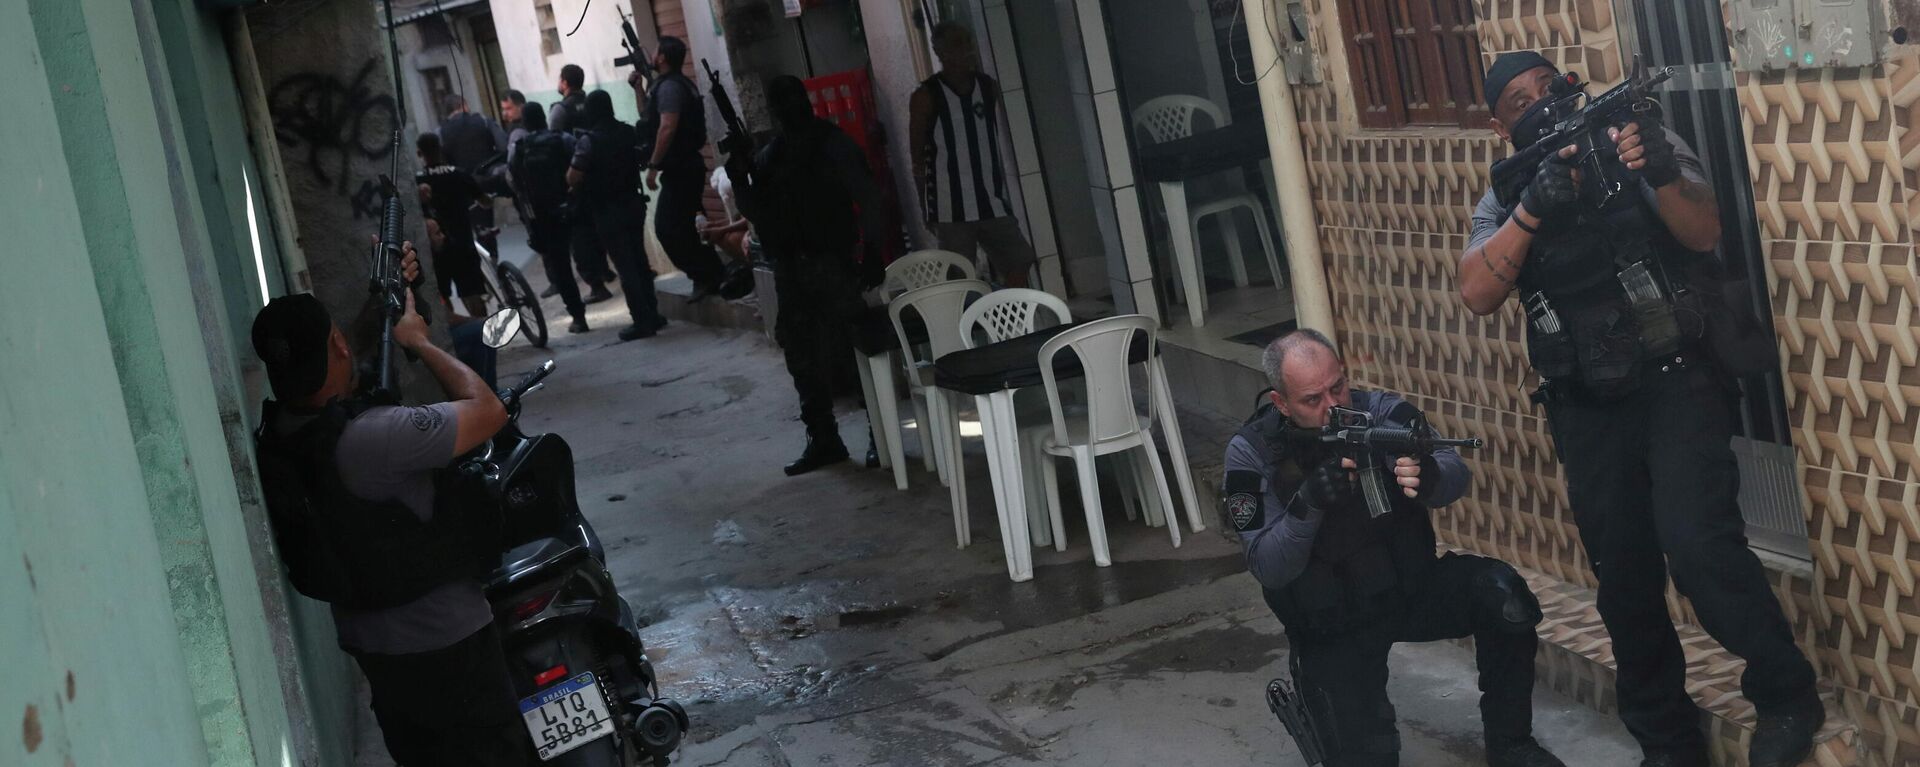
1414	62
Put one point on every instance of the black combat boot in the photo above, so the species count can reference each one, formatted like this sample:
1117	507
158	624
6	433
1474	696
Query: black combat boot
1676	759
821	451
1525	753
1783	737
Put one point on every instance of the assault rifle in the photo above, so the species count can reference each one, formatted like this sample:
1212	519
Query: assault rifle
737	142
1350	433
1583	126
636	55
386	283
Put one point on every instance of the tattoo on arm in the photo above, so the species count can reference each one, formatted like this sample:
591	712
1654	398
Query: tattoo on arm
1695	192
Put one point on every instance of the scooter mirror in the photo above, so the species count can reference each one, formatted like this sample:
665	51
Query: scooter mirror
500	328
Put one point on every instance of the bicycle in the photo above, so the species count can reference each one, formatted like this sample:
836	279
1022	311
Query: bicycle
508	285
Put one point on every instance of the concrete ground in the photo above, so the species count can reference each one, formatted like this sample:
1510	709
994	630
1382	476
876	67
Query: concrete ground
830	620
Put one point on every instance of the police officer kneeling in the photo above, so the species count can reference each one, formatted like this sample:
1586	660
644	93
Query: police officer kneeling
1348	586
1634	337
367	516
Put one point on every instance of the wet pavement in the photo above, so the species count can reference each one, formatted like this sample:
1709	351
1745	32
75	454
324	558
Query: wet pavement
830	620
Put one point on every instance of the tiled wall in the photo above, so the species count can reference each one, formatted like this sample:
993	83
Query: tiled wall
1834	166
1098	110
1834	169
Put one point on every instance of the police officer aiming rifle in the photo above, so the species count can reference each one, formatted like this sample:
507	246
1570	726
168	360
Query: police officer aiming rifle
1347	583
1608	240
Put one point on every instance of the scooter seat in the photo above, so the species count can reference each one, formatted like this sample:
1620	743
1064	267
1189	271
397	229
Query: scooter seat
539	554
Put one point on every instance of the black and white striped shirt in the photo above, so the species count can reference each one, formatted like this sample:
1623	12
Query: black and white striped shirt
965	180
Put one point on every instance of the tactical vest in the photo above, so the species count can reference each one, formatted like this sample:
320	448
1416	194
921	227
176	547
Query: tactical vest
615	175
1360	568
1603	339
806	212
360	554
688	137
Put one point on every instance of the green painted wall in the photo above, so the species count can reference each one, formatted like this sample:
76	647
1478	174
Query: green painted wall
625	104
148	622
77	530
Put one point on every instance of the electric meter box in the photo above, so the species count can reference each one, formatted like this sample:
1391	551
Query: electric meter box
1773	35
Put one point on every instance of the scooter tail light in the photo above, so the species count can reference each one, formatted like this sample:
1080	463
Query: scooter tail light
533	605
557	672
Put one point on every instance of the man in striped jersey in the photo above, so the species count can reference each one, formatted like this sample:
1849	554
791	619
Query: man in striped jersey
958	168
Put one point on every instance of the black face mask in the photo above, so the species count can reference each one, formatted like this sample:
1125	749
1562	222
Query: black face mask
1541	116
1533	123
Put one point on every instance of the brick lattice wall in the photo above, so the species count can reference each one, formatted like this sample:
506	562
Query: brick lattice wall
1834	169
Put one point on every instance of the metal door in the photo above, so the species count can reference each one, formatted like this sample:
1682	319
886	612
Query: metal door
1701	105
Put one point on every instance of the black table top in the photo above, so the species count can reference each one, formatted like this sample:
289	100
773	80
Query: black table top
873	330
1236	145
1014	363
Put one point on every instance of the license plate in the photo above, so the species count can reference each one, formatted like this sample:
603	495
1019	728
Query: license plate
566	716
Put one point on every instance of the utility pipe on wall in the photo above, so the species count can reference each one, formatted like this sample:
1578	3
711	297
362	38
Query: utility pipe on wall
1298	223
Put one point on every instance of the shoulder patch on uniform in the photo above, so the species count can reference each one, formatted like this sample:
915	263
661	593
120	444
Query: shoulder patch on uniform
1245	503
425	418
1243	509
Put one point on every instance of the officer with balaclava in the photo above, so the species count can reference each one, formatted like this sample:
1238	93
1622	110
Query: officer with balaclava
1610	249
815	206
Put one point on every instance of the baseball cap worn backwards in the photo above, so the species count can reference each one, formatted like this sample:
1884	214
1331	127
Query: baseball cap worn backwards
1508	66
290	334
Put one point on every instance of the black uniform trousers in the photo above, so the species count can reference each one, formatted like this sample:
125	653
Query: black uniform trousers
548	235
588	255
818	302
1344	675
1654	489
616	226
681	189
451	707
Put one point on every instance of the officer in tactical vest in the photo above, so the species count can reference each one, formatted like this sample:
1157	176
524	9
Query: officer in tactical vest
605	175
1348	585
368	516
1626	318
815	206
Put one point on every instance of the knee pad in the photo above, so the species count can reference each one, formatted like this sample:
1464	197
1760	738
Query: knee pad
1504	600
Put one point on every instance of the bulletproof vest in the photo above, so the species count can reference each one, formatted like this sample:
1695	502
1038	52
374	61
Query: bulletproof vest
540	168
615	174
1603	336
1360	568
810	214
690	136
353	552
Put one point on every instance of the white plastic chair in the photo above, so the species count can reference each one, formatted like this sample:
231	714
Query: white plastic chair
913	270
1111	425
1170	118
1004	314
939	306
922	268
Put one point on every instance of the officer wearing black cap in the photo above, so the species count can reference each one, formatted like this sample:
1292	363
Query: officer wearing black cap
367	517
1348	586
1625	316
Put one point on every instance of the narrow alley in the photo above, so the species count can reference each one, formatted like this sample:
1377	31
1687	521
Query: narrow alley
830	620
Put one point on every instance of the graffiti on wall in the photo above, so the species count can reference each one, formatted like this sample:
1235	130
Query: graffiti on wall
336	121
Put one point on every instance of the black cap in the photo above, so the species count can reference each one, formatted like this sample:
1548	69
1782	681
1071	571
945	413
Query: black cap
290	334
1511	65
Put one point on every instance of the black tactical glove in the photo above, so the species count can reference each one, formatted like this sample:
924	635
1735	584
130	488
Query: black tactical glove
1553	191
1661	167
1329	486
